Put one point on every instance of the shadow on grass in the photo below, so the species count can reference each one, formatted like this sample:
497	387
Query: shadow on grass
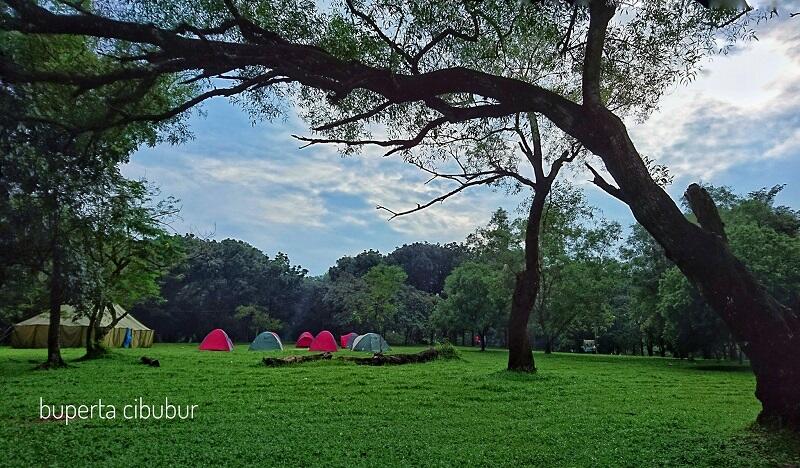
721	368
776	447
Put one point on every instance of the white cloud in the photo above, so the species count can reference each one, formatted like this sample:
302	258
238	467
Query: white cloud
293	209
295	189
745	108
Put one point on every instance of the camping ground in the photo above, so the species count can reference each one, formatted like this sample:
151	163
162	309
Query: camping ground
578	410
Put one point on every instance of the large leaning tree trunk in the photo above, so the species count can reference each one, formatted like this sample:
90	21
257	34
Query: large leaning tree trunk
768	331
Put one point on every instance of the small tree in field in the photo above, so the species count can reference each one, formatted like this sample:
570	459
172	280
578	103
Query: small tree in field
257	319
377	302
476	298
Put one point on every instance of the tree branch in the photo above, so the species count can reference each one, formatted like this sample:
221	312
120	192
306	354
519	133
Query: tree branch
355	118
307	65
371	23
608	188
600	13
566	157
399	145
441	198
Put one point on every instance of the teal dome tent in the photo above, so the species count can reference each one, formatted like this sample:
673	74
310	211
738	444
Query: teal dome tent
266	341
371	342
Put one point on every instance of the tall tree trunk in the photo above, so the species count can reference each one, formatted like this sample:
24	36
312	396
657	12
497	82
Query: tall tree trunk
56	292
520	353
768	331
95	334
548	345
483	340
90	338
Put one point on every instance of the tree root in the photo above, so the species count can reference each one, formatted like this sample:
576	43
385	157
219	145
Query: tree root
48	365
379	359
294	359
95	353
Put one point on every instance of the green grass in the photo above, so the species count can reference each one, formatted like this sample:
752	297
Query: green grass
578	410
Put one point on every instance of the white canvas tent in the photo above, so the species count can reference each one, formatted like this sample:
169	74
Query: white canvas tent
32	333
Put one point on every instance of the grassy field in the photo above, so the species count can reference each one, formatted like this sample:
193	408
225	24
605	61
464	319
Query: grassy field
578	410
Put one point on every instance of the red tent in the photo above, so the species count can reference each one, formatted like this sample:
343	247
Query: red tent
217	340
343	339
304	340
324	342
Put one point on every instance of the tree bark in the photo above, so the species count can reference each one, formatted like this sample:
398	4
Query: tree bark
90	332
520	353
768	331
548	346
54	359
95	334
483	340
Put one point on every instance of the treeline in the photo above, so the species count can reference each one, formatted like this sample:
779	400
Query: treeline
233	285
620	291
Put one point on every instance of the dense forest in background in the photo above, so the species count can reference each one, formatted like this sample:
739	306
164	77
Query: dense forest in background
597	284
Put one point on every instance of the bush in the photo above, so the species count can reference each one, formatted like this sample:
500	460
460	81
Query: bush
446	350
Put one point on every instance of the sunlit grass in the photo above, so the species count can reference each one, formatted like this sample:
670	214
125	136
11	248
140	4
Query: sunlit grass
577	410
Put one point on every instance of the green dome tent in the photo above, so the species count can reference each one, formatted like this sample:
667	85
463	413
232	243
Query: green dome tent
371	342
266	341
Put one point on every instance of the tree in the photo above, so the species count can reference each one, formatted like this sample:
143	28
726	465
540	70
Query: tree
355	266
645	264
414	312
257	319
579	274
316	308
766	238
689	326
50	173
476	298
440	75
383	285
127	249
205	289
427	265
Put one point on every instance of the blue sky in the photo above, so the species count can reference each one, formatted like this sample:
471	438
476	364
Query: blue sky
738	124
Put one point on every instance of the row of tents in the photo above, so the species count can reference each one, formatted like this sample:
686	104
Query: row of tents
218	340
128	332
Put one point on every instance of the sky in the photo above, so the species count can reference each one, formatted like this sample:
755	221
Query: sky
737	124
